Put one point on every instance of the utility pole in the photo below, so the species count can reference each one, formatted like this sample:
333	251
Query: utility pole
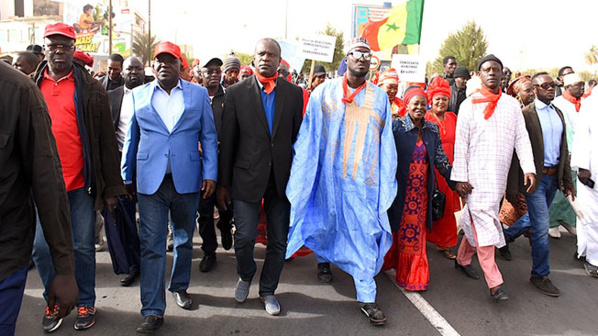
110	28
149	31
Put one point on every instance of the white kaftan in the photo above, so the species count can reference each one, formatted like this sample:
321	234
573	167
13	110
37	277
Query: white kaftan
584	154
483	153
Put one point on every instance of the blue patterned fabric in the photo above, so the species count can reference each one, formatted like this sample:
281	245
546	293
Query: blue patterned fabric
339	198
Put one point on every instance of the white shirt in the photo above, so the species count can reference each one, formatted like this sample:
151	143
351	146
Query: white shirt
126	114
171	106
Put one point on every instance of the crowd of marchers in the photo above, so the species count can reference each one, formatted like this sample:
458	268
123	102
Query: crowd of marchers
345	168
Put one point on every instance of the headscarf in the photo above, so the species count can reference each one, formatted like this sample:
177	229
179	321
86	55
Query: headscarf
439	86
389	76
412	92
516	85
246	69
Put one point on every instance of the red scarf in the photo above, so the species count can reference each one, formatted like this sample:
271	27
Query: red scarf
572	100
350	98
268	82
489	97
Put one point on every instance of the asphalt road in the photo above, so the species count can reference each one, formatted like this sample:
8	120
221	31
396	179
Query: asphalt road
313	308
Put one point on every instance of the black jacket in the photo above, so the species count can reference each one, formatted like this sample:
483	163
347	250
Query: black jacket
218	109
248	153
116	99
457	97
405	134
30	171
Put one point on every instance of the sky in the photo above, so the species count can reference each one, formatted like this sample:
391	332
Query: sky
524	34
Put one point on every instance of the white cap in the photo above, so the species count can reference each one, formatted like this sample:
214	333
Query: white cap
571	79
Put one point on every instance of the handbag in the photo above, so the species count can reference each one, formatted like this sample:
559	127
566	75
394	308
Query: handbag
438	202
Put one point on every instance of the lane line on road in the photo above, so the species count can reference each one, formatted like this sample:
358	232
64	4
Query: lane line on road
433	316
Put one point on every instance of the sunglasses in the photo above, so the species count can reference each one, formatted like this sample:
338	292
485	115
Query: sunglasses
358	54
283	72
545	86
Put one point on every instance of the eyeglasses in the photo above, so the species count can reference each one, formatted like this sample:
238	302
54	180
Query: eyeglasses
358	54
282	72
545	86
53	47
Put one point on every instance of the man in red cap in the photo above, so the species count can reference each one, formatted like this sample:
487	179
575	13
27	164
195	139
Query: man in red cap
82	125
170	117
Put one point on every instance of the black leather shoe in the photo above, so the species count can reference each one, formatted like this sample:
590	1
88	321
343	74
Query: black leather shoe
226	238
468	270
544	285
150	323
128	279
324	272
182	299
208	262
505	253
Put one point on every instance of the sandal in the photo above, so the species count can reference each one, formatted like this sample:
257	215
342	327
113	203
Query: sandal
446	251
374	314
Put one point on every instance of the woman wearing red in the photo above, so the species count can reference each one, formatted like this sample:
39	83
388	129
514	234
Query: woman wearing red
389	82
444	234
418	150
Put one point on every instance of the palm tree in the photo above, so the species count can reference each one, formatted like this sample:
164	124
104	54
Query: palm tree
141	45
591	56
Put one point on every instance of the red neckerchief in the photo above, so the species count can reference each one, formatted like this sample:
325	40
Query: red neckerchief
572	100
268	82
350	98
489	97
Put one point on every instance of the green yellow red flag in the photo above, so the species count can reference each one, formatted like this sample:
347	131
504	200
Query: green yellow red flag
402	26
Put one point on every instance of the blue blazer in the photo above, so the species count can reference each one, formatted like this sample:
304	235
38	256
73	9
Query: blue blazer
148	142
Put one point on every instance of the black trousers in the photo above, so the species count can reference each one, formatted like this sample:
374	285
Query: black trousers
207	230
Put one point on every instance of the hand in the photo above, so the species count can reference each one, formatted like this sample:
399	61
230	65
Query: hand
208	187
199	148
584	175
223	197
463	188
529	179
571	193
111	203
131	190
64	289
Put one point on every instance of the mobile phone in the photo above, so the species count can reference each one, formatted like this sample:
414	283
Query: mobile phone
590	183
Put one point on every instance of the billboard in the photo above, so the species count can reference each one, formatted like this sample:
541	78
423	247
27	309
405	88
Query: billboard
91	23
361	14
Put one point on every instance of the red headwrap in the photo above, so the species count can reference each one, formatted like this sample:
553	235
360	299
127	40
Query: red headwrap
84	57
516	85
389	76
410	93
247	69
439	86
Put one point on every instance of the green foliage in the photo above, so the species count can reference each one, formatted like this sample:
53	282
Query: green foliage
244	58
140	46
468	45
591	56
338	51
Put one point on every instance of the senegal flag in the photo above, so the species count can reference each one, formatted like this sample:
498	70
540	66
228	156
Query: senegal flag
402	26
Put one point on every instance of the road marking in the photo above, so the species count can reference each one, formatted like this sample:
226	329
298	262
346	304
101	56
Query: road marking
434	317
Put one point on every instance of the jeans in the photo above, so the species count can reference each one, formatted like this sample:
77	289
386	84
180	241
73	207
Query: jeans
537	206
83	219
11	296
520	227
277	211
153	229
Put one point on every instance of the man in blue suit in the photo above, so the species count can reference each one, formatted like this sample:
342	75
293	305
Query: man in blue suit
161	147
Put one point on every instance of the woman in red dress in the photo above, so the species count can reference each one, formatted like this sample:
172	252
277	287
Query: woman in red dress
444	234
418	150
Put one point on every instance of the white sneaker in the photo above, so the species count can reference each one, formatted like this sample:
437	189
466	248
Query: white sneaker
554	233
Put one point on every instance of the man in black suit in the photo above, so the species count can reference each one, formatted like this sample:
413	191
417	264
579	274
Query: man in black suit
262	116
122	112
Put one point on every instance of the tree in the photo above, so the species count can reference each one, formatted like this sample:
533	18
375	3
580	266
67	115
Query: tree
141	44
468	45
338	50
591	56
